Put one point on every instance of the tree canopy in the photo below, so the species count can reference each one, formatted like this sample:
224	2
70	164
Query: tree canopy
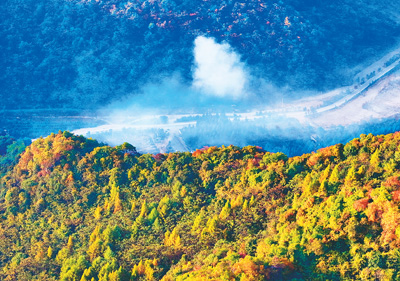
74	209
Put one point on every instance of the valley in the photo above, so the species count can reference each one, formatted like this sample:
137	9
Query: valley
373	96
351	105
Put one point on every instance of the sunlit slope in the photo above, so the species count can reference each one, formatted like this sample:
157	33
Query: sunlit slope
73	209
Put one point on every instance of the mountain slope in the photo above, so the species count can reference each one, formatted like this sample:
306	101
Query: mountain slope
81	54
378	102
74	209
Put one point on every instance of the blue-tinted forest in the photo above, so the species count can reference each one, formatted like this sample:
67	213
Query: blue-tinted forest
82	54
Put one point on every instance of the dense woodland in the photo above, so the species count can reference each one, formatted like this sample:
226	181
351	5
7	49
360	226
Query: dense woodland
82	53
75	209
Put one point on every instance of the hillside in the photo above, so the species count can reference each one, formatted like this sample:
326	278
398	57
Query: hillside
74	209
83	54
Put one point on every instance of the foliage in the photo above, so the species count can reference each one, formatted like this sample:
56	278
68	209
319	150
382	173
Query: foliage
73	54
10	149
74	209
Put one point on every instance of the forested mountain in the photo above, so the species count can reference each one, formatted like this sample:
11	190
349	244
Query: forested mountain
82	54
74	209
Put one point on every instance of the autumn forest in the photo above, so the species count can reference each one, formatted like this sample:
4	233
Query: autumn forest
75	209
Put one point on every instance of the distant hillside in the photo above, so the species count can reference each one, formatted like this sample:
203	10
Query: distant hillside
84	54
74	209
